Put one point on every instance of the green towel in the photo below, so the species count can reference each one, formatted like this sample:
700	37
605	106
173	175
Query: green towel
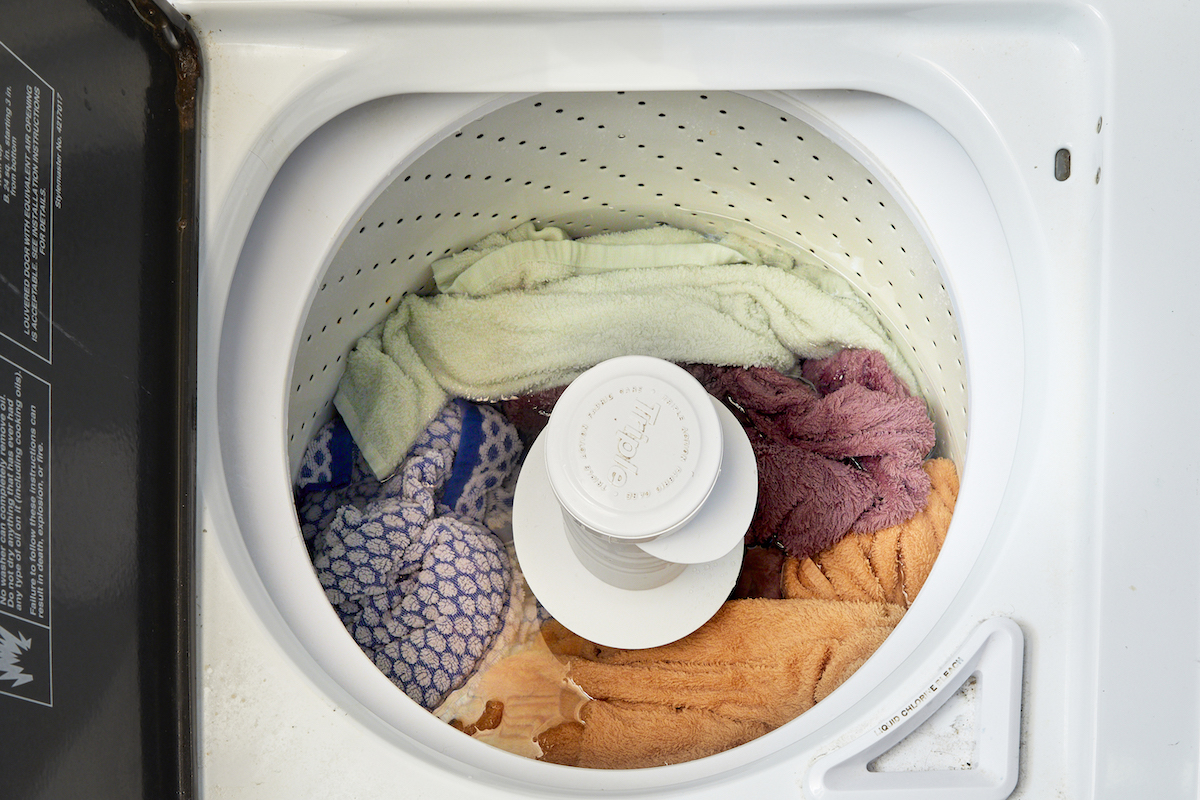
522	316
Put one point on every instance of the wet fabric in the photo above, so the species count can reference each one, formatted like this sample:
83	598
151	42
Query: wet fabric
890	565
756	665
848	459
522	623
543	312
839	450
410	565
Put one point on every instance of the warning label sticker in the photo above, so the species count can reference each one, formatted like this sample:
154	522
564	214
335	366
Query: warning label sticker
24	535
24	661
30	165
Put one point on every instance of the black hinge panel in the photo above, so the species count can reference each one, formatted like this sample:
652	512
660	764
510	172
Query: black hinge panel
97	391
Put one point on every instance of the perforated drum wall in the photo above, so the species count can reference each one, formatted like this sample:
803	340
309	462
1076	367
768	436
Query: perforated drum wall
713	162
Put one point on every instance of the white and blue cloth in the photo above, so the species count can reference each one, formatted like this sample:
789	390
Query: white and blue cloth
411	565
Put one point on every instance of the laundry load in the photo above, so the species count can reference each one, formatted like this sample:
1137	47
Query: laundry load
534	310
849	521
411	565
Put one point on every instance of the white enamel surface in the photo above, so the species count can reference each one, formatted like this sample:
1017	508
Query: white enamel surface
1057	289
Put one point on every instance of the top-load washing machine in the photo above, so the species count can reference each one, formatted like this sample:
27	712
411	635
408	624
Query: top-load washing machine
986	177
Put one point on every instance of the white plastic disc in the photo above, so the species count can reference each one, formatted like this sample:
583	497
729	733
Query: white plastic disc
586	605
722	522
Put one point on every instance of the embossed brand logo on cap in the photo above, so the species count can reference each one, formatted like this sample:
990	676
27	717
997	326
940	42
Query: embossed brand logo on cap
629	438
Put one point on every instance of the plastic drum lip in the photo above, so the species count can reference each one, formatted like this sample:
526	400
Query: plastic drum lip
634	448
250	389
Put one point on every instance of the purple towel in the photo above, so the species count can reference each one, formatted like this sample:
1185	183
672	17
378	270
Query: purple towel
530	412
411	567
847	460
844	457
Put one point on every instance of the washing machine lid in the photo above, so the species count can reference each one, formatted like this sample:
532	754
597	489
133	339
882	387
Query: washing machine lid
97	334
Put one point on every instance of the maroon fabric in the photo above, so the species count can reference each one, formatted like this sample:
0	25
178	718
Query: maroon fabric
866	368
845	456
530	412
828	465
761	574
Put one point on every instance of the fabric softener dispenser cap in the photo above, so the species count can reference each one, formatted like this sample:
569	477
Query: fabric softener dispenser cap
632	504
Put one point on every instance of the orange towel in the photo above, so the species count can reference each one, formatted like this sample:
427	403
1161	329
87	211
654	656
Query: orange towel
889	566
754	666
758	663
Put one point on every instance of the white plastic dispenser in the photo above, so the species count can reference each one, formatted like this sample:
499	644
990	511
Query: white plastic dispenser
632	504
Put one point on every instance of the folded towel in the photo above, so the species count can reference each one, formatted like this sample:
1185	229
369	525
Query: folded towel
754	666
526	265
420	581
848	460
387	395
446	270
888	566
620	244
551	322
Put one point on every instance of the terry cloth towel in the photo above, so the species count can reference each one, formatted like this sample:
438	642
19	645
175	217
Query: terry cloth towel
536	314
888	566
415	575
754	666
321	491
528	693
850	460
519	689
524	260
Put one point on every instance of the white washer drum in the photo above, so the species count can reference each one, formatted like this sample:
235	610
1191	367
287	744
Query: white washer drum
865	185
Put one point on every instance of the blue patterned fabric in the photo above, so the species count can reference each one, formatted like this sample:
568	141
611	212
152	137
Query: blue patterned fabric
413	570
329	460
